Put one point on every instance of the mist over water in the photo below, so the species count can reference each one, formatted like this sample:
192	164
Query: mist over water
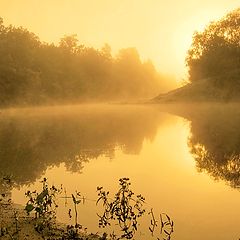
185	163
91	120
43	137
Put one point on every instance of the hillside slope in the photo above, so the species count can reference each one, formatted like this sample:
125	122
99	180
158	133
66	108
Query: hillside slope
199	91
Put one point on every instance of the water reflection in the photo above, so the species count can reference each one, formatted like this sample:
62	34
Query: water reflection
33	140
162	169
215	139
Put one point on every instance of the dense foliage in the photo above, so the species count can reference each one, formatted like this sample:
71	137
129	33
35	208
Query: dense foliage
35	72
215	53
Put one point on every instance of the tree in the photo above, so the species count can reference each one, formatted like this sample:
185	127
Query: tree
34	72
215	52
70	43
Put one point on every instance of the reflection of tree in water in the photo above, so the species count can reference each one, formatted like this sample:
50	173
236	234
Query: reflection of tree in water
215	138
215	141
228	170
32	142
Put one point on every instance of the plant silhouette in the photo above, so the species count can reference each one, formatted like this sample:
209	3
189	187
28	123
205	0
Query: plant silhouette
125	208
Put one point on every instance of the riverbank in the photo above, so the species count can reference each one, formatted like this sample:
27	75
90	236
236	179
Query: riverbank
16	224
198	92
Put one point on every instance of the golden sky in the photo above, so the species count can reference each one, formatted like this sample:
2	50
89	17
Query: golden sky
161	30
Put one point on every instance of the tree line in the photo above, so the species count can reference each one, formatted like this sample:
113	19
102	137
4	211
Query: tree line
35	72
215	54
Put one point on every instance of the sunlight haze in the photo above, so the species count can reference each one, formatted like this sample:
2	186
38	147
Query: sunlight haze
160	30
119	119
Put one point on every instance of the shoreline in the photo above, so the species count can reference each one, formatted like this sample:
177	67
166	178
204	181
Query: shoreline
16	224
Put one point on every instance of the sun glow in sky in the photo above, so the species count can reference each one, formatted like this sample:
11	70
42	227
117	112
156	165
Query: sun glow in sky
161	30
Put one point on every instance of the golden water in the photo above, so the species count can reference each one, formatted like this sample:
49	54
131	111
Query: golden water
144	143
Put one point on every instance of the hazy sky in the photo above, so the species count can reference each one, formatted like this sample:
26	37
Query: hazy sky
160	29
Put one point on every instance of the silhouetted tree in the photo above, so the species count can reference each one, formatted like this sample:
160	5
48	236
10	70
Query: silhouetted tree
215	53
33	72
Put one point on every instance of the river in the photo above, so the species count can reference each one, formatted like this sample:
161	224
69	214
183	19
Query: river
183	159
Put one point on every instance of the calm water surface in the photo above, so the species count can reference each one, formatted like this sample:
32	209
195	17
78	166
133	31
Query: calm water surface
185	162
